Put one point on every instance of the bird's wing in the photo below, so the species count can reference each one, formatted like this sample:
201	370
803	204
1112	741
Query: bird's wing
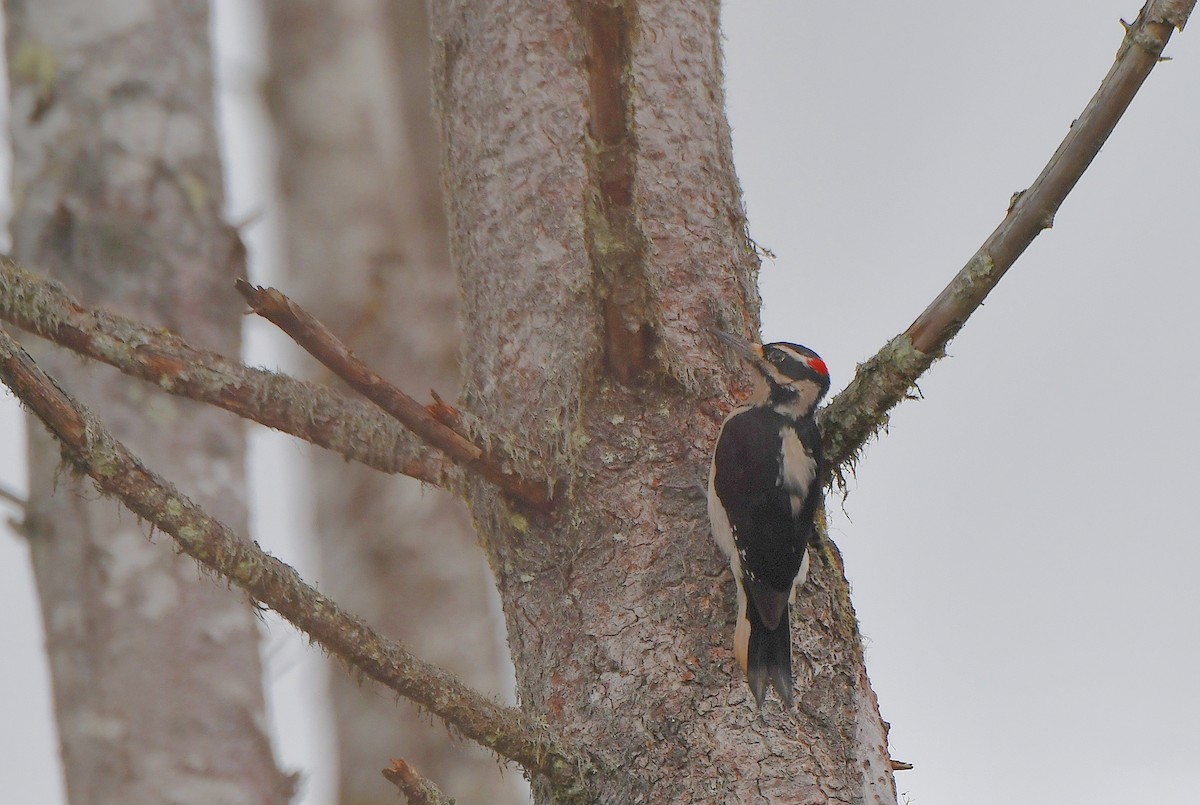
759	503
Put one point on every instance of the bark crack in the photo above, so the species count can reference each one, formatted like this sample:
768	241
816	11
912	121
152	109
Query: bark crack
617	244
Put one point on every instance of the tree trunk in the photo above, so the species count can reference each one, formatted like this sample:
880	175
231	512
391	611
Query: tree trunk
365	245
597	229
117	182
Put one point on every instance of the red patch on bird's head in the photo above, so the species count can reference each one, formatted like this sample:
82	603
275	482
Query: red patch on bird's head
818	365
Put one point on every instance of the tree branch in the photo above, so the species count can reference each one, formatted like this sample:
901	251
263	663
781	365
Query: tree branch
322	344
415	787
305	410
93	450
13	498
861	410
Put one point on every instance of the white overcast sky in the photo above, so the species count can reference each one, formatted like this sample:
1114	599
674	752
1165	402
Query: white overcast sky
1022	545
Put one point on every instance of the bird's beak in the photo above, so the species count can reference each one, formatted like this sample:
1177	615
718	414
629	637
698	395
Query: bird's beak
745	349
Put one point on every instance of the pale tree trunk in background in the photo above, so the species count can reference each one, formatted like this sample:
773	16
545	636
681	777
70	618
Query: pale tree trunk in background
365	250
590	275
118	192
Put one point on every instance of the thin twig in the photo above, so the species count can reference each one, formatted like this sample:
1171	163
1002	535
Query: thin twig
861	410
12	497
347	426
417	788
94	451
317	339
444	412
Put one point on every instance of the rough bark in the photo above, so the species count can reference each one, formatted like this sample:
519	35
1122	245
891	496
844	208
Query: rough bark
117	183
619	608
365	245
606	583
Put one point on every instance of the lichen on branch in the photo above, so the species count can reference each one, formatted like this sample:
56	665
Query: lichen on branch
305	410
862	409
94	451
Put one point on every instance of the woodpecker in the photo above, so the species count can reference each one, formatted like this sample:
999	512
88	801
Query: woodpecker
763	493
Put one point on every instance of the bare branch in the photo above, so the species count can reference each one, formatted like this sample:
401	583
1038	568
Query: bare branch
94	451
862	408
346	426
417	788
323	345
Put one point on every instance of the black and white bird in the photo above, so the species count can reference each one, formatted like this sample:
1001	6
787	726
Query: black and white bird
764	490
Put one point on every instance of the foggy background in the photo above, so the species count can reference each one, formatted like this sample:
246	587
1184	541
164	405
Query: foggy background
1021	544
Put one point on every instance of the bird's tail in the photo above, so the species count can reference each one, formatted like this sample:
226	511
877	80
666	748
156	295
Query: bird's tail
769	658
